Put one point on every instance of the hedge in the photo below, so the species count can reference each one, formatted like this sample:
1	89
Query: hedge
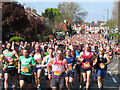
17	39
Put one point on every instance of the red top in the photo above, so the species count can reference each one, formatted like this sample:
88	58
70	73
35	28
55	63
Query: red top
87	61
58	63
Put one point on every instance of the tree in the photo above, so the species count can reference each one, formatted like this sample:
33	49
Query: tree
13	18
71	11
51	13
54	16
36	26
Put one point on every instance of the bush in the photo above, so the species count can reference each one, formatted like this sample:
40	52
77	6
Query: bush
17	39
45	38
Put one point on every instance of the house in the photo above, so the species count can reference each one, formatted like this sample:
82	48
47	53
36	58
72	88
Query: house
62	26
92	27
33	13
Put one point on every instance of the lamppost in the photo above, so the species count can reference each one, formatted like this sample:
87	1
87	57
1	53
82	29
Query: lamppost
107	20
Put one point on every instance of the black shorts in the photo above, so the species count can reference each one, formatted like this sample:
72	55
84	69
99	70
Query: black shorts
78	68
70	74
10	71
16	71
27	78
58	81
85	70
46	77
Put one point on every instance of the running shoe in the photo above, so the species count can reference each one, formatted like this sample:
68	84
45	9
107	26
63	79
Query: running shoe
13	87
39	87
80	86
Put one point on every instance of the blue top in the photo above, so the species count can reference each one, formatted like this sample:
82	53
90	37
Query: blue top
70	63
47	60
77	53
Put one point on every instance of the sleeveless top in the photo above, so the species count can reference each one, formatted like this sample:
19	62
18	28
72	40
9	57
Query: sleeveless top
86	63
118	52
77	53
38	60
10	58
57	69
70	63
101	61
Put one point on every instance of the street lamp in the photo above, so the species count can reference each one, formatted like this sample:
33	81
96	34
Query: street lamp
107	19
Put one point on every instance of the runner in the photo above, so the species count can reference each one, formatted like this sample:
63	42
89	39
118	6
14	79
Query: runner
95	53
57	70
37	70
102	62
78	66
71	66
45	62
86	67
9	68
25	65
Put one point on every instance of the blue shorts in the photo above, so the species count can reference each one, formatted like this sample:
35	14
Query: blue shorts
35	69
101	73
70	74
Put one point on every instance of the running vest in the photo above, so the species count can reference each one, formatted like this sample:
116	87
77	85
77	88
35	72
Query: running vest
110	52
87	61
70	63
95	54
101	62
10	58
118	52
77	53
57	69
37	58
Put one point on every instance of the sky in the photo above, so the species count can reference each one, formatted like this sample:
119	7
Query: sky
97	10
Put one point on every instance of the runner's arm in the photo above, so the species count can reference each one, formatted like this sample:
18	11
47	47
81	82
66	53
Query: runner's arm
16	55
108	60
19	65
48	66
43	62
66	65
79	58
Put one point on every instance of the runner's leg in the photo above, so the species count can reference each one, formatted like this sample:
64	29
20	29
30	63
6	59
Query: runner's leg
6	81
88	79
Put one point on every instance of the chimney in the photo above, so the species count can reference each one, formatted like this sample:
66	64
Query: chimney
28	9
34	11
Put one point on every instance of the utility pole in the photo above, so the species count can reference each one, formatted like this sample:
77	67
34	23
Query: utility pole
107	21
118	43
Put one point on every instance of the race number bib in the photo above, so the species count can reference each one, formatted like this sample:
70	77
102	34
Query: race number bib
69	67
58	69
25	69
102	66
58	73
37	60
87	64
10	59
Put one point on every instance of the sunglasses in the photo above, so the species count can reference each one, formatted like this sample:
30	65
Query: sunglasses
59	53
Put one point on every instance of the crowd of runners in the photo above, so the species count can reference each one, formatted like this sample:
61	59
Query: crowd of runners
58	61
